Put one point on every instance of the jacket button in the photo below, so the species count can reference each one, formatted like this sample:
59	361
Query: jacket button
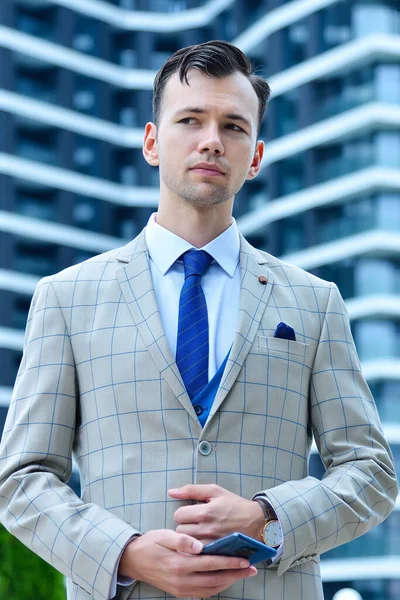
198	410
205	448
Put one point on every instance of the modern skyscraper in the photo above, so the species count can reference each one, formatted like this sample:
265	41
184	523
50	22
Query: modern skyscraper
75	91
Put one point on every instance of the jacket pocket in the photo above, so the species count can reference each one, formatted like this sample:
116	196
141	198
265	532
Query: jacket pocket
272	345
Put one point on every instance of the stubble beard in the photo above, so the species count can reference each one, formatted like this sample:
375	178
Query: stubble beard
204	194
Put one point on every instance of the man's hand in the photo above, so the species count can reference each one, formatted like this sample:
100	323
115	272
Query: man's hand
170	562
219	513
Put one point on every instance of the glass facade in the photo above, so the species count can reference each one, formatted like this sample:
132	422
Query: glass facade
114	99
329	222
387	394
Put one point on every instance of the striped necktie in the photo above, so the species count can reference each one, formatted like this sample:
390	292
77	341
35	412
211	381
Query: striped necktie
192	344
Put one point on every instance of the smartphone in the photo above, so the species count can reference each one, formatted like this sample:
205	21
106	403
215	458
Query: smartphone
238	544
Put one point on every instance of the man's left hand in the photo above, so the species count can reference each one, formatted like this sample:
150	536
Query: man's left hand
218	513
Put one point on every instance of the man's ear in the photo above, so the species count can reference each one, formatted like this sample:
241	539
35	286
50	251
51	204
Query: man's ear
256	162
150	150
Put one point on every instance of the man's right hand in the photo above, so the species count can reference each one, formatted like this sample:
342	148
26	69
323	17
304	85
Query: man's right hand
170	561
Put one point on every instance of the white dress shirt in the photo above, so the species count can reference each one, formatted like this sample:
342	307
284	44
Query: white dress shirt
220	283
221	287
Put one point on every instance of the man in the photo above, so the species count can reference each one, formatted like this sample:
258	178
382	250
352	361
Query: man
188	372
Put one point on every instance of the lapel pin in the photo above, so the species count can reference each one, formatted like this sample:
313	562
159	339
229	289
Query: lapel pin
262	279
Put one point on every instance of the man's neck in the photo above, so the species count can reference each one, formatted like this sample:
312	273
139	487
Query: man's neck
197	228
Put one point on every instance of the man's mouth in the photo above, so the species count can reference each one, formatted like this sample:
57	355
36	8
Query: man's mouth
207	169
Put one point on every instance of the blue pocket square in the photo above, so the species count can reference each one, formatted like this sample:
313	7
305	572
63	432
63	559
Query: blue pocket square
285	332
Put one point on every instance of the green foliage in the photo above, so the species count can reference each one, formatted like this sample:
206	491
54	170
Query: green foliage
24	575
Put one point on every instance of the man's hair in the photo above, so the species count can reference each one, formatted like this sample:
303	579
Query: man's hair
215	59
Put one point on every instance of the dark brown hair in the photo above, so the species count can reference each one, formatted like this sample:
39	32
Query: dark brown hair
215	59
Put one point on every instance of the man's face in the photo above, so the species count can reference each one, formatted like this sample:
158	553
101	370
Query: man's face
206	138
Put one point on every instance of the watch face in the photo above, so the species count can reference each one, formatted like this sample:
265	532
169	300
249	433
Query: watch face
273	534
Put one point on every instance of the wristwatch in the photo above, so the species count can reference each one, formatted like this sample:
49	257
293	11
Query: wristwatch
271	533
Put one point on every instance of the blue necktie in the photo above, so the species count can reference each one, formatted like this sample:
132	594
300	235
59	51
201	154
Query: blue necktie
192	345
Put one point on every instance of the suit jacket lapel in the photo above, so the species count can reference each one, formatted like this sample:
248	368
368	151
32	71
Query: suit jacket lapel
254	296
138	291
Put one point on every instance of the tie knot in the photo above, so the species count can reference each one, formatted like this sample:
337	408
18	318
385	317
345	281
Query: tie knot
196	262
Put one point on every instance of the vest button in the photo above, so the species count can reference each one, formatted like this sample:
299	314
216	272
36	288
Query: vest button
205	448
198	410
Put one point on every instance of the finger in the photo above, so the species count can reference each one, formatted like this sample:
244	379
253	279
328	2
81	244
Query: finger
200	532
201	492
206	585
192	529
190	514
179	542
213	562
221	580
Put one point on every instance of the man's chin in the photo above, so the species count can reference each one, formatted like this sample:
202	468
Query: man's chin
206	200
207	194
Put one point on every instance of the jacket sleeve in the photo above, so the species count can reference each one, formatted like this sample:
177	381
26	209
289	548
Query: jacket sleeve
82	540
359	488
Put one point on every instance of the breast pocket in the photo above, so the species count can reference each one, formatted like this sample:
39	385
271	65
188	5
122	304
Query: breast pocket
281	365
272	345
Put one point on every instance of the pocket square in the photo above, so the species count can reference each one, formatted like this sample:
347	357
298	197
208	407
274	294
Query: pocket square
285	332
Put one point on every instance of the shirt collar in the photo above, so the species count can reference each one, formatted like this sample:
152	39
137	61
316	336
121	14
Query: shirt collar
166	247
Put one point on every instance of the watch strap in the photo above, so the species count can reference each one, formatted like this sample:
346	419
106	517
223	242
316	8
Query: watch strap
269	513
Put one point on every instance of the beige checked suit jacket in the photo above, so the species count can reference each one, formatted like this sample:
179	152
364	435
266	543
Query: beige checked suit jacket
98	381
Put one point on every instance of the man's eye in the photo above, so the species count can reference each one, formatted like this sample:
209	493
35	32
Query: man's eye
234	127
187	120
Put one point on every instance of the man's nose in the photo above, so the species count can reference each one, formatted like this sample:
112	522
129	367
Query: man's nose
211	141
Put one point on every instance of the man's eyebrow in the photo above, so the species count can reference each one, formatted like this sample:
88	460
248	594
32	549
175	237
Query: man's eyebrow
202	111
237	117
192	109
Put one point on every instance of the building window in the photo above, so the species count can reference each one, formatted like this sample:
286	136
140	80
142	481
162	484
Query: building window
386	394
127	4
124	52
291	174
86	213
165	45
20	311
3	415
35	257
336	160
379	541
129	221
295	40
168	6
387	148
82	255
124	107
286	113
39	83
354	276
290	234
335	25
375	17
86	156
125	167
37	144
36	203
341	273
86	96
36	20
377	339
343	93
86	35
340	220
335	221
387	83
384	273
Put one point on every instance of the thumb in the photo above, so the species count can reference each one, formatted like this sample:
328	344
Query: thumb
180	542
201	492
